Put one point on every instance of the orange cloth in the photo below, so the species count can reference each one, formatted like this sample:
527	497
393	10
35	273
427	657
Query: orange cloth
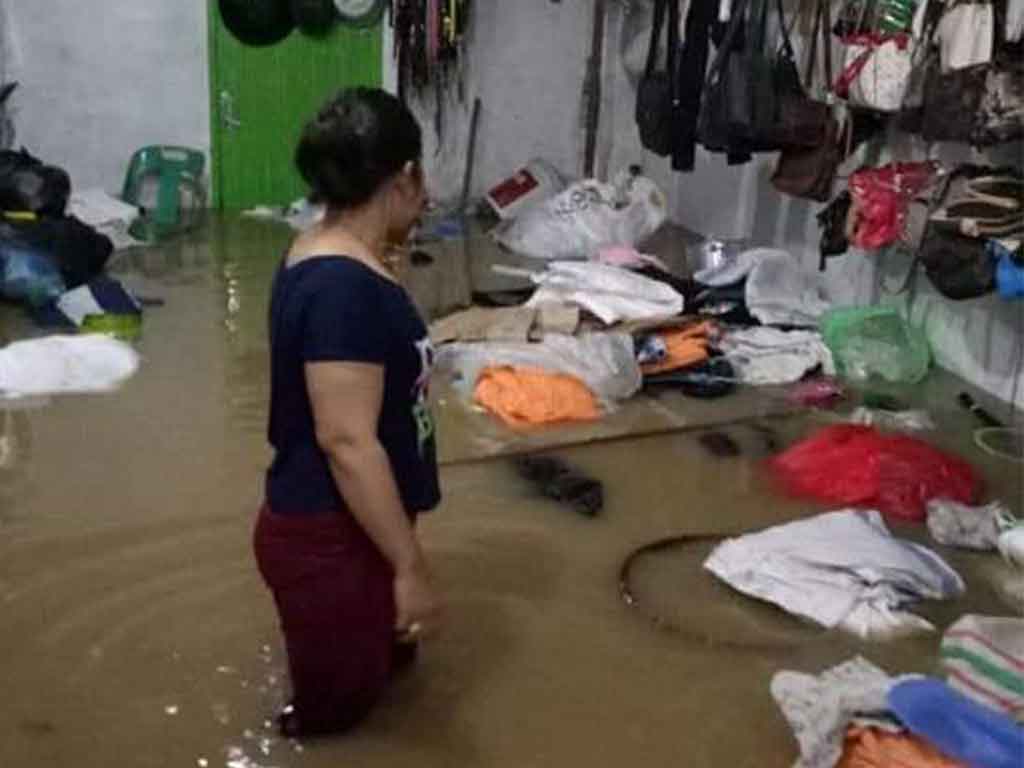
523	397
874	748
686	346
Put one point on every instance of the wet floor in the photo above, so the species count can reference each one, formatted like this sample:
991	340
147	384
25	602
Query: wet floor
134	630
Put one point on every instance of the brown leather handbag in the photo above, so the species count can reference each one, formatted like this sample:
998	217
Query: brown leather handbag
809	172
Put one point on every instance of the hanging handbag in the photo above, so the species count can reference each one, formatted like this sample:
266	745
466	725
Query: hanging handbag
876	72
726	115
959	265
800	121
656	93
1001	109
768	79
952	102
809	172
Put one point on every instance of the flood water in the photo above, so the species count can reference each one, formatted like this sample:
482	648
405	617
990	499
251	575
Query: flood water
134	630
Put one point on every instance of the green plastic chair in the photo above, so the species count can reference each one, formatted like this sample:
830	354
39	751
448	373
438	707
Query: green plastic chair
176	169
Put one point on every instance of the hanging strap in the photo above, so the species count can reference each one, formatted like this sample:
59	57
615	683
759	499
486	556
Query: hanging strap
822	31
757	24
661	9
735	23
826	32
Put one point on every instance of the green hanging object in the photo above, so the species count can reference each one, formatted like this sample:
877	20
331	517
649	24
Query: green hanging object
258	22
360	13
315	17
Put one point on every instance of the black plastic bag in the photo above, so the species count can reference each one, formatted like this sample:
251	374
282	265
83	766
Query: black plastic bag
77	250
27	184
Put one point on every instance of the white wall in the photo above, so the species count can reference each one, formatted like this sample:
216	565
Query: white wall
101	79
527	62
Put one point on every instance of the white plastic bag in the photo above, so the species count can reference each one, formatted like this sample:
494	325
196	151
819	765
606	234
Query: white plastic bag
65	364
587	217
609	293
605	362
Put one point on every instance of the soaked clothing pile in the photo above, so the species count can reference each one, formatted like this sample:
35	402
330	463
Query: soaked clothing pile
840	570
523	397
854	715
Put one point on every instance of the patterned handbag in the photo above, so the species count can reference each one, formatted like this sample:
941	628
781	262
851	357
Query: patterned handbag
876	72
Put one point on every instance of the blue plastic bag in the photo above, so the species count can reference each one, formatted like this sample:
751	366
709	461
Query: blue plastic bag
1009	271
28	276
957	726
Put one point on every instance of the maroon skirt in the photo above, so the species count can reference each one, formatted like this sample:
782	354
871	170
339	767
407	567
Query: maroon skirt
335	597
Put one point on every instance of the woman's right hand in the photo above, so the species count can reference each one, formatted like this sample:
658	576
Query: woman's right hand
418	606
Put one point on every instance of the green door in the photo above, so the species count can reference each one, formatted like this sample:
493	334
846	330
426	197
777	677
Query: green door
261	98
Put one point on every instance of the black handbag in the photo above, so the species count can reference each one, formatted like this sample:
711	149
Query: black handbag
957	266
655	98
800	121
726	115
952	103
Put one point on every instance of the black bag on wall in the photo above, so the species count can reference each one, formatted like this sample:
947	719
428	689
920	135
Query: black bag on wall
655	98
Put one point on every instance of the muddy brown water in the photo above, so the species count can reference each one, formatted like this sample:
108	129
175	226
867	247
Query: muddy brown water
134	630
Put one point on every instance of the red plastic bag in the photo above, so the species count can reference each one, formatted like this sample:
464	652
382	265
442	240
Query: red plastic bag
849	465
881	197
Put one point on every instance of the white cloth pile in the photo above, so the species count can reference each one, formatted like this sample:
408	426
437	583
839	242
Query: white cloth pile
959	525
107	215
908	421
605	362
300	215
841	569
820	708
771	356
612	294
65	364
778	290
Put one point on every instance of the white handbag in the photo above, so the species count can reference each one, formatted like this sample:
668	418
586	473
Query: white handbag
878	73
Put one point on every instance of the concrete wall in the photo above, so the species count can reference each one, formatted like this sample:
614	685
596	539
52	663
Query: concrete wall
527	62
101	79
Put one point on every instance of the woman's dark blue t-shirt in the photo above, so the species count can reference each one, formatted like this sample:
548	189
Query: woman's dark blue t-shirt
334	308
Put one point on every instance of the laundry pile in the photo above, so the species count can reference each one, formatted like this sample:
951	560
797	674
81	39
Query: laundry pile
751	317
862	586
854	715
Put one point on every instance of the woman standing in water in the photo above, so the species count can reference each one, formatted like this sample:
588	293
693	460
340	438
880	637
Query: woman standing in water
353	437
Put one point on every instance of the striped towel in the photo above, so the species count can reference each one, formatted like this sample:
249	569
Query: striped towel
983	658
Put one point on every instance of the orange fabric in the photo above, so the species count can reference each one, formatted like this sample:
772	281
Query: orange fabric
524	397
873	748
686	346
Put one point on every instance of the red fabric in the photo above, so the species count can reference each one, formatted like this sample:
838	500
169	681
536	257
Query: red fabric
334	594
881	197
859	466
